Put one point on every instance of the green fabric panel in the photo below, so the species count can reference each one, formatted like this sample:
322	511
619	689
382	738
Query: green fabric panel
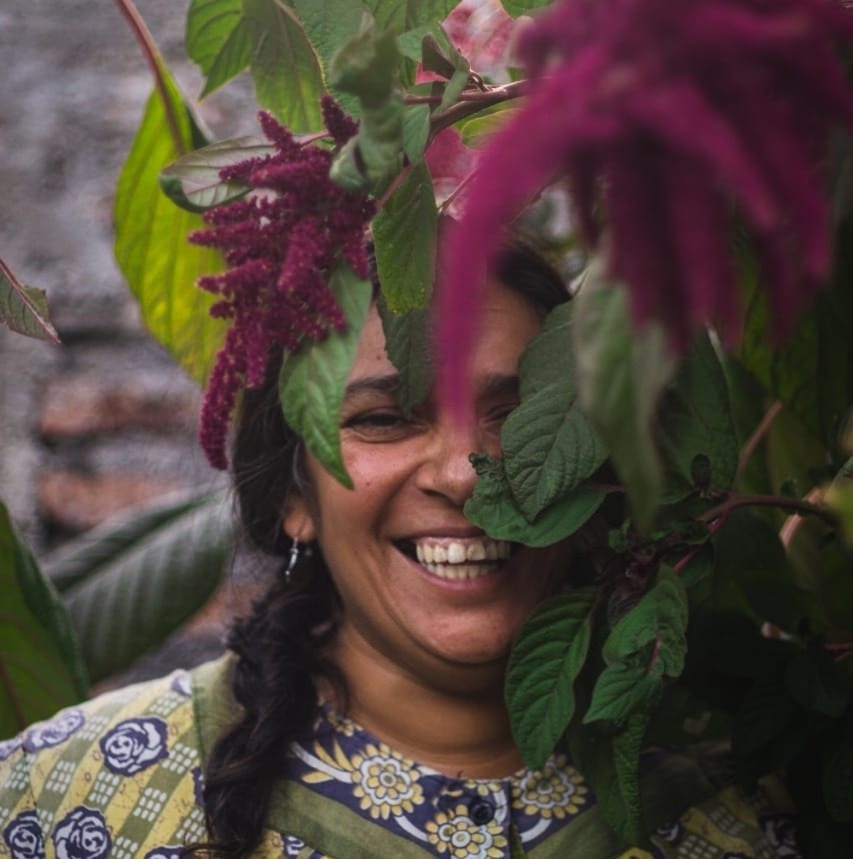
587	836
332	829
215	707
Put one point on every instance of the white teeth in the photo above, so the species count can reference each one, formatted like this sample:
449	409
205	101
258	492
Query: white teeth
459	572
458	553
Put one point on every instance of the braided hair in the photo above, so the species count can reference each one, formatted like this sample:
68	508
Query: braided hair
280	646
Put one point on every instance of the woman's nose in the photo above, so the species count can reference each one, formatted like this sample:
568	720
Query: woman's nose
446	467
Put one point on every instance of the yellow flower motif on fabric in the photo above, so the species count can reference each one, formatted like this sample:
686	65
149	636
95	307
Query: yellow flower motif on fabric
384	783
455	834
557	790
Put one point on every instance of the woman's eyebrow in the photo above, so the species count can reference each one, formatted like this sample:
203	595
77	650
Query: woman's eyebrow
386	383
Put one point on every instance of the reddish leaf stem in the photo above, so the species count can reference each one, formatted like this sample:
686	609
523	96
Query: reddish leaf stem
758	436
794	505
155	62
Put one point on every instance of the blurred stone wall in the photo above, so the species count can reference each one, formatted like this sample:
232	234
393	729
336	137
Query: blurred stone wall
105	421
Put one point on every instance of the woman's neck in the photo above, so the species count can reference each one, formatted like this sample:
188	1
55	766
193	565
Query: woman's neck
455	721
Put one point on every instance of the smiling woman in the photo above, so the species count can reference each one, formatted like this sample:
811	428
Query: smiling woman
360	711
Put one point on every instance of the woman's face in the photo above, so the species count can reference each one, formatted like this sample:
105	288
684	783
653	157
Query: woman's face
420	584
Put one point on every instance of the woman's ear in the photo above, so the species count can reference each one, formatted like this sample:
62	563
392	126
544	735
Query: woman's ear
297	520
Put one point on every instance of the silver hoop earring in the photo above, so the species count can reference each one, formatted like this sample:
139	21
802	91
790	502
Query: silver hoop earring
292	560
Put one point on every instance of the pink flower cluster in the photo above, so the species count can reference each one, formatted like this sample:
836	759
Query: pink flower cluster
670	118
281	243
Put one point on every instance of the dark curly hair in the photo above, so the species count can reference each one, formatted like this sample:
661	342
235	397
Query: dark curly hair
280	646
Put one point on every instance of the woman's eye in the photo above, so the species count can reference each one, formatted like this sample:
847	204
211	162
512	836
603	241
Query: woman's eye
378	423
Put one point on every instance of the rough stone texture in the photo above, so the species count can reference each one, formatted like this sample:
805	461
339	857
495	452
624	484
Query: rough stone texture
104	421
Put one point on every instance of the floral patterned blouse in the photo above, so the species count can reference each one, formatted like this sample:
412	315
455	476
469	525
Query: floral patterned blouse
121	776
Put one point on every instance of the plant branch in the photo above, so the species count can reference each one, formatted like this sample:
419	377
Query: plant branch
155	62
794	505
395	184
473	102
757	437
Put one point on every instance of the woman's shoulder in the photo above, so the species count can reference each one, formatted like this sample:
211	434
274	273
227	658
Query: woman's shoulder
122	770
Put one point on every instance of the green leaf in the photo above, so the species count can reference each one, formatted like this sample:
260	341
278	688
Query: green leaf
839	499
160	266
646	645
476	131
812	371
837	778
368	67
312	381
522	7
695	418
217	40
99	547
494	509
817	683
329	25
416	128
546	658
133	601
286	70
405	15
750	554
407	342
192	182
404	235
548	444
620	376
611	763
24	308
40	666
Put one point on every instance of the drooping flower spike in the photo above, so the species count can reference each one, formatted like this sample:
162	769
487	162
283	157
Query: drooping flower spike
669	119
281	244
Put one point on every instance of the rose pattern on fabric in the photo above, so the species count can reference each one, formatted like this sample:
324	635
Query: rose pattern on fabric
24	838
56	731
134	745
9	747
384	783
780	831
557	790
82	834
671	832
454	833
164	853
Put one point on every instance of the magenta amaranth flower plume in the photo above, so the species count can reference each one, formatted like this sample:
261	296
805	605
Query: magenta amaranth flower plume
281	243
669	118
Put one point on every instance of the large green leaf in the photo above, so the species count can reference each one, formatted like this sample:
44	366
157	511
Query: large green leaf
494	509
404	234
24	308
83	557
151	245
620	376
192	182
313	381
546	658
40	667
695	418
549	446
405	15
131	601
285	68
218	40
408	342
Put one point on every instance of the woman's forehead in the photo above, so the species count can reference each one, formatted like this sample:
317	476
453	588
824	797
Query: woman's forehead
509	322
